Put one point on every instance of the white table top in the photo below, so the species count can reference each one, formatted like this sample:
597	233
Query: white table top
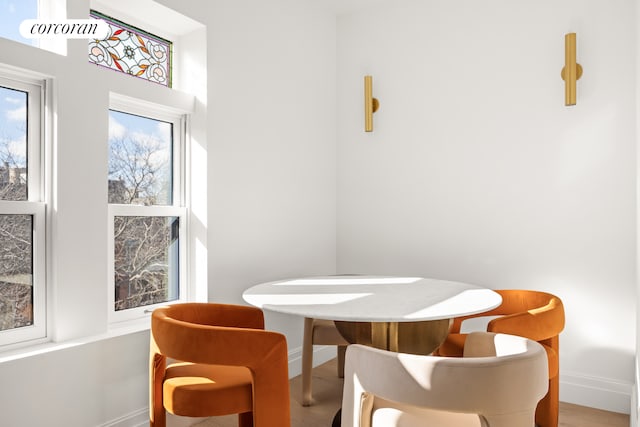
372	298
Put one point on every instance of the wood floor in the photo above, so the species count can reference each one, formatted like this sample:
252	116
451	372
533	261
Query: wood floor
327	391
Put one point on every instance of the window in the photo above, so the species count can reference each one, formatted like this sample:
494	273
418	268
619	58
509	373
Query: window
22	212
12	13
132	51
146	209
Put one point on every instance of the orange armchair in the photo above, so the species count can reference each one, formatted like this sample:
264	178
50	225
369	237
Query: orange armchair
532	314
224	362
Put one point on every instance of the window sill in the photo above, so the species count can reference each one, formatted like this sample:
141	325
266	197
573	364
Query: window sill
114	331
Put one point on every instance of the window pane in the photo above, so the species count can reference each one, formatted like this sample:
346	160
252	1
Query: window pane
132	51
13	144
16	271
12	13
140	160
146	260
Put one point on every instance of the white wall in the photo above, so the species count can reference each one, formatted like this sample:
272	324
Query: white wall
91	375
272	151
273	154
476	171
272	198
269	142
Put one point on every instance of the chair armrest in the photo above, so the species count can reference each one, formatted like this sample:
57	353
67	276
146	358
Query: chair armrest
537	324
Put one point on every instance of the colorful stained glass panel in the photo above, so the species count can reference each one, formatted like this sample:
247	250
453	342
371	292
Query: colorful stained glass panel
132	51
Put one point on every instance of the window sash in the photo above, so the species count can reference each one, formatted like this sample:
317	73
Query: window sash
34	205
35	131
38	329
146	211
179	120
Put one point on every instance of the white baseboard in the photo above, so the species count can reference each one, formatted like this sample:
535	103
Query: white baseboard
321	354
138	418
595	392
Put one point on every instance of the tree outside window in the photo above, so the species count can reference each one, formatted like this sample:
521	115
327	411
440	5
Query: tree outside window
16	297
146	254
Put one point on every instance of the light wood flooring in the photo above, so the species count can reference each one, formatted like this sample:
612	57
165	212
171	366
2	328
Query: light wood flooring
327	389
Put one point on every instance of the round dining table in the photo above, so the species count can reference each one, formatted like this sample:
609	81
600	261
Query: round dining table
401	314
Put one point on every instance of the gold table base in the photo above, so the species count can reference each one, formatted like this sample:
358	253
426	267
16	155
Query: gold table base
402	337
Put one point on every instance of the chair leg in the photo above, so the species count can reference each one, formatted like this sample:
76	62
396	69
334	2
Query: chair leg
307	361
245	419
341	352
547	410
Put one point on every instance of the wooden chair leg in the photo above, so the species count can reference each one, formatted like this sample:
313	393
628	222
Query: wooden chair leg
307	361
341	352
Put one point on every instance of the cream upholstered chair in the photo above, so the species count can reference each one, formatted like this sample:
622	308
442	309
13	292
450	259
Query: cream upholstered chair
318	332
497	383
532	314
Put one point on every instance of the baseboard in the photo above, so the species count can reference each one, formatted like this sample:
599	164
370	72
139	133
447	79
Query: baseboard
321	354
595	392
138	418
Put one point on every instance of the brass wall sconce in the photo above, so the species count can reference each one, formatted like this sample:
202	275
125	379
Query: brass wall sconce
572	71
371	104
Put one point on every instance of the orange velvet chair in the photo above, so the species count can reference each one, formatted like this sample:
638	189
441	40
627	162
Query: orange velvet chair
532	314
222	362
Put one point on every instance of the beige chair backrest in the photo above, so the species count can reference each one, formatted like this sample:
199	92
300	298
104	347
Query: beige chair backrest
497	384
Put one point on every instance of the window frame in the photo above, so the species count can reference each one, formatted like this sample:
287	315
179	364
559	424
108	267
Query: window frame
35	204
176	209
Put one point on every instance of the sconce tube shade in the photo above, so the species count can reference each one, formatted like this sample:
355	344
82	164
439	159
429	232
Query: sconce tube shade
572	71
370	104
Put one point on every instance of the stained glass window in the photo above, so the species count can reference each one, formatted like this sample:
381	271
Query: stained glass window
132	51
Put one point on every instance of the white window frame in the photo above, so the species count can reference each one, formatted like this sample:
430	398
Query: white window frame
34	206
177	209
